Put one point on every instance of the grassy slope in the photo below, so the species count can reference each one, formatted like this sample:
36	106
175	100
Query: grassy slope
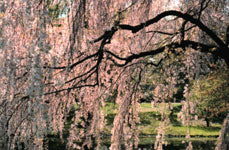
149	122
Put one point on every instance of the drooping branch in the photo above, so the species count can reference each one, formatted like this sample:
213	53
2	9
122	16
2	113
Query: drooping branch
74	64
227	36
187	43
90	72
94	70
71	88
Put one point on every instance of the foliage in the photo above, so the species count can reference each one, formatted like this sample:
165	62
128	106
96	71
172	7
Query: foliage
211	95
170	78
99	47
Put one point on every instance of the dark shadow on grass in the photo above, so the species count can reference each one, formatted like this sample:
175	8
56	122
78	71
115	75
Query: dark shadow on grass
207	128
110	118
146	118
174	121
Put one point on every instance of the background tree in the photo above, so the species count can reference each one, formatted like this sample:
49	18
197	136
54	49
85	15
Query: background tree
210	94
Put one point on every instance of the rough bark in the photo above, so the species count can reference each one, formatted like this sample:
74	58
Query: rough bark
223	140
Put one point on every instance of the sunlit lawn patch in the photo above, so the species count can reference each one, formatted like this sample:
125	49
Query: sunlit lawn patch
149	121
195	130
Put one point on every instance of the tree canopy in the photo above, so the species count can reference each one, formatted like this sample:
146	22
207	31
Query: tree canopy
55	54
211	95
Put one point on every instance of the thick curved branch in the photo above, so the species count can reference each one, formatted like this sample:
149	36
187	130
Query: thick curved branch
186	17
186	43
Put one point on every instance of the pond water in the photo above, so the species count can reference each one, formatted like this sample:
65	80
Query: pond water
147	143
179	144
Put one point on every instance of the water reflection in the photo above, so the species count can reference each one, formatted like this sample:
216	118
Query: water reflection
147	143
179	144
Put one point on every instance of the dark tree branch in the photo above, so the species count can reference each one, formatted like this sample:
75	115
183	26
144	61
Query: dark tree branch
185	43
183	30
186	17
107	36
227	36
74	64
157	64
71	88
80	76
202	7
161	32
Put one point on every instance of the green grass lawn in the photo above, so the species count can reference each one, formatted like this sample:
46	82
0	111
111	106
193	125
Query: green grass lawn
149	121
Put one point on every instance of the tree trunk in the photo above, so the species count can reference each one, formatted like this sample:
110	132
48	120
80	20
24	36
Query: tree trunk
223	140
207	122
3	133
